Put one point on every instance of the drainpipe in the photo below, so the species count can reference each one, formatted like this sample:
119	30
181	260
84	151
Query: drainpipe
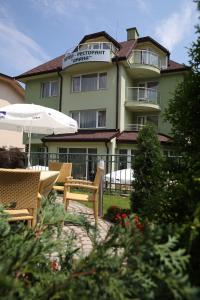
61	85
107	152
117	95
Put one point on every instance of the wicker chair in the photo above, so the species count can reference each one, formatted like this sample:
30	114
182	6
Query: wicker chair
19	191
92	191
65	172
46	184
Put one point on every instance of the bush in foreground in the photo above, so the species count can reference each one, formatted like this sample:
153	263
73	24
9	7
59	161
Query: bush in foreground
129	264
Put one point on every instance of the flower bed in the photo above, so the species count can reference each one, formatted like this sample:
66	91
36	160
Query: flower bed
123	217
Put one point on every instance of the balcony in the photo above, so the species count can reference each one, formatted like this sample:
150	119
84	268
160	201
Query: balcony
145	63
101	52
142	99
138	127
133	127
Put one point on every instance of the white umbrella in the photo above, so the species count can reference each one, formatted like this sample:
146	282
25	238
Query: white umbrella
38	119
124	176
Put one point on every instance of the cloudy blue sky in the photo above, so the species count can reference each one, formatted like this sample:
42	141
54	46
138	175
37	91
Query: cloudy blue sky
34	31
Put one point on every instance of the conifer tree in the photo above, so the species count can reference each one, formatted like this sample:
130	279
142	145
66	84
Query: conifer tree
148	182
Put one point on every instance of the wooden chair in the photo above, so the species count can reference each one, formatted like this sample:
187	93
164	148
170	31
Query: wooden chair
19	191
65	170
93	187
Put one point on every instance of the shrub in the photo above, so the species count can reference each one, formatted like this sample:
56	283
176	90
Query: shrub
128	264
12	158
149	180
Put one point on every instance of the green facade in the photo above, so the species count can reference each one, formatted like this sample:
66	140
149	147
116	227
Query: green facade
130	75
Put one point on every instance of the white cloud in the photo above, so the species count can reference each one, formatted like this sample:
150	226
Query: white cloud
172	30
18	50
142	5
62	7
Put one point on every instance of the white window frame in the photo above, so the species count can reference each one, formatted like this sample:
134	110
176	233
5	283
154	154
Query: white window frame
80	87
128	155
79	115
145	118
86	155
49	94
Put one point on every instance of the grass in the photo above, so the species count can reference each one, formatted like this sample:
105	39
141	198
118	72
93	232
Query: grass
109	200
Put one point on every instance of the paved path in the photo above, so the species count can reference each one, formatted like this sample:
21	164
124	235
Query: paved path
82	239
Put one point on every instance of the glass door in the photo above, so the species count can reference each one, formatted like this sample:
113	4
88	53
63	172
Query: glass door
141	92
141	121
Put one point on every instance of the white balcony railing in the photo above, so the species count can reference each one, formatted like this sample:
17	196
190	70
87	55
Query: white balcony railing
133	127
138	127
87	52
96	46
146	57
142	94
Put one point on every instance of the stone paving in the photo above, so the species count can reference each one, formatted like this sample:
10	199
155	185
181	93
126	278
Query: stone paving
82	239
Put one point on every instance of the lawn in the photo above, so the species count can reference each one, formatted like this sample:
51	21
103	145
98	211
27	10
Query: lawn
109	200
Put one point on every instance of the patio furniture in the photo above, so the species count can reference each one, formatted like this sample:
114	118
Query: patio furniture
92	189
19	192
65	170
47	180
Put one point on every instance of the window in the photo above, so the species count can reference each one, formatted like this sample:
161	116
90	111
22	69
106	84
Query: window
90	118
89	82
148	91
84	161
49	89
76	84
101	114
126	158
142	120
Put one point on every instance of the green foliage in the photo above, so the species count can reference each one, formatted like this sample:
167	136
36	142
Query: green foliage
113	213
129	264
147	186
183	194
184	108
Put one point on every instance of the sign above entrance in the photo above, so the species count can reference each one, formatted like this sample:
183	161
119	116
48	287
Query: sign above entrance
82	56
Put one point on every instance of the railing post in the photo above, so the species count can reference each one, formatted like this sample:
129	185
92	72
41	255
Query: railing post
101	187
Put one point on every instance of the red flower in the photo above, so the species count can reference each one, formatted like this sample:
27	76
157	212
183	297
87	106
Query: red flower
54	265
127	223
138	224
124	216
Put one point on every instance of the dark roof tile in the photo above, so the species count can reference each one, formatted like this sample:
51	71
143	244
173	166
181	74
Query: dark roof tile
128	137
50	66
126	47
174	66
83	135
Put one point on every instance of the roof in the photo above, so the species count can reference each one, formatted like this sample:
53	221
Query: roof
125	49
149	39
174	67
84	136
128	137
10	80
51	66
99	34
125	137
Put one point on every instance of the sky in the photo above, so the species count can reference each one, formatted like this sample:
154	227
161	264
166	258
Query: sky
35	31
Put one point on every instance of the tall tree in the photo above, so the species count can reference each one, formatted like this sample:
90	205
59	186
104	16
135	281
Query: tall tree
184	108
184	196
145	197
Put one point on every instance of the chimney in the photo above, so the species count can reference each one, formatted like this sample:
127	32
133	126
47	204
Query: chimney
132	33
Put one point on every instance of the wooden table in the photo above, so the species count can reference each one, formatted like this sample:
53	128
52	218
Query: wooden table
47	180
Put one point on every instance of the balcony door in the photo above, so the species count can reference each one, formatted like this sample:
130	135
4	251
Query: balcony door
147	91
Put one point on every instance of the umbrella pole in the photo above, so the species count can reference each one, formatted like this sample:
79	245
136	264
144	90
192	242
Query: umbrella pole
29	149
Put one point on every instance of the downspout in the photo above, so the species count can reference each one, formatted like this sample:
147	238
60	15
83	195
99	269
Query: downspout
107	153
117	96
61	85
